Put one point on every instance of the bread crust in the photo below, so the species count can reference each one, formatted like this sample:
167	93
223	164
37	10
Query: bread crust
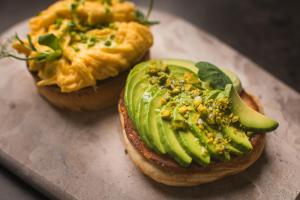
104	94
167	171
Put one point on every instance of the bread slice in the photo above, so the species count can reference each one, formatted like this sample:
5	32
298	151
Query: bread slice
104	94
165	170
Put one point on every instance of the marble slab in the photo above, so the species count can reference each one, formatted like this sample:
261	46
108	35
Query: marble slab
81	156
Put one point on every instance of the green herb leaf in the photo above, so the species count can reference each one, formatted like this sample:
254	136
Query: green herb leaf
140	16
48	56
150	8
18	39
50	40
6	52
108	2
32	47
213	75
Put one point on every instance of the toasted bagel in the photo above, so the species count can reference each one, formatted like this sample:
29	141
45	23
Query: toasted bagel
165	170
104	94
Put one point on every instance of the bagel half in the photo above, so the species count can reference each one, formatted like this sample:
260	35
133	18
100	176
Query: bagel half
104	94
167	171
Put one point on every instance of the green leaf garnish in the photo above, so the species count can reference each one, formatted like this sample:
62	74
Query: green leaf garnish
213	75
51	41
140	16
18	39
108	2
32	47
48	56
150	8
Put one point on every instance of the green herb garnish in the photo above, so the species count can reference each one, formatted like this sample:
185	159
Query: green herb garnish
144	19
108	2
58	23
91	42
107	43
32	47
213	75
49	40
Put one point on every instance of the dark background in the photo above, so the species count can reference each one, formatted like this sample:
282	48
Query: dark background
266	31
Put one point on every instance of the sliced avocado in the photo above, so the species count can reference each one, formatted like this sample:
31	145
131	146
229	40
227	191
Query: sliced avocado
194	148
189	142
152	125
131	79
249	118
171	142
139	89
234	150
134	106
238	138
143	114
200	134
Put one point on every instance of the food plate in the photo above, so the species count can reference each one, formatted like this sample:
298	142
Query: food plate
81	156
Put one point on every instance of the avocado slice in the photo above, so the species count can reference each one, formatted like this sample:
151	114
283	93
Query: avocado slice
139	87
131	78
151	124
170	141
238	138
203	139
143	115
189	142
249	118
194	148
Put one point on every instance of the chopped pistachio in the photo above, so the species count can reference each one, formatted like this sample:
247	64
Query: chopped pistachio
188	87
153	80
167	96
235	119
200	126
163	101
165	114
186	116
195	92
162	78
197	102
175	91
153	70
202	109
183	110
179	125
165	68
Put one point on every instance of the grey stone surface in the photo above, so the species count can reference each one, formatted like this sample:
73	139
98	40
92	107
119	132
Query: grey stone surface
81	156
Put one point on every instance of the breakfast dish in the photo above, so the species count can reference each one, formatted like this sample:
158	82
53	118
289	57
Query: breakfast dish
188	123
80	51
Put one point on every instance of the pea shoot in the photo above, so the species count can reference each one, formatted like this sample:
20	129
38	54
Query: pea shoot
144	19
49	40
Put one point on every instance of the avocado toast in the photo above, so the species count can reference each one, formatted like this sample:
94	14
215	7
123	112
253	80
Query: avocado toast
189	123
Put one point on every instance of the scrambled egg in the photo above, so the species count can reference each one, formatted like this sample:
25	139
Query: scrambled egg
99	39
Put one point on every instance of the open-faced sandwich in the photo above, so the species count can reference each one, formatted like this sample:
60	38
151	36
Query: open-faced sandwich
189	123
80	51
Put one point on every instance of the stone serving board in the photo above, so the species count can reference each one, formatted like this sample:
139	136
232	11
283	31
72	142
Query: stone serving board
81	155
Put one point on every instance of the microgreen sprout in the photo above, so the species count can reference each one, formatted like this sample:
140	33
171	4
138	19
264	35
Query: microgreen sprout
144	19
